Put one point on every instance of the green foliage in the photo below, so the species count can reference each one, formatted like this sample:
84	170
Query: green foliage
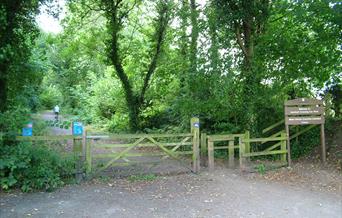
33	167
261	168
11	121
142	178
306	143
50	96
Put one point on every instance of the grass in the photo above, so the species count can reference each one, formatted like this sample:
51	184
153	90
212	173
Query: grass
147	177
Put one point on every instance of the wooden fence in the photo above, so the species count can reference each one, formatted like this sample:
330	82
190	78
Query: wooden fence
119	149
122	147
244	144
209	145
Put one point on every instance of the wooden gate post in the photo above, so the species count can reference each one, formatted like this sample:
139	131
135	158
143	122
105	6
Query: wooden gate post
195	130
211	163
247	144
204	149
288	145
283	147
231	153
323	153
242	146
77	149
88	159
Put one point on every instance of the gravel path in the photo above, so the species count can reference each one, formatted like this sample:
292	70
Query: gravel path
223	193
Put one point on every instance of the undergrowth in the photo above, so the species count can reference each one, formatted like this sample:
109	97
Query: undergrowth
33	167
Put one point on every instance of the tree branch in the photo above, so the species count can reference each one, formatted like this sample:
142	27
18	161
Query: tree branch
162	22
239	40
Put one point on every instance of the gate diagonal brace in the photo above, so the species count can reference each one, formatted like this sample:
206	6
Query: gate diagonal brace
177	146
169	152
121	154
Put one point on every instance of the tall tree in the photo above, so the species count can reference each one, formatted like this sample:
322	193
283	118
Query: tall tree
17	31
247	20
117	12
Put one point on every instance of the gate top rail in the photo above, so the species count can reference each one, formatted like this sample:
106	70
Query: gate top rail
134	136
46	138
264	139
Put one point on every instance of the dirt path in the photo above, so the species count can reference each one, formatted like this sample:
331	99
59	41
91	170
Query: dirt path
49	115
223	193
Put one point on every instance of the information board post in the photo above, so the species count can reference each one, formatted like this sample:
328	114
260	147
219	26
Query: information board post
77	130
28	130
304	111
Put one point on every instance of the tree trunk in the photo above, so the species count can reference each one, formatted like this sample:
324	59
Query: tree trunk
115	14
194	37
3	93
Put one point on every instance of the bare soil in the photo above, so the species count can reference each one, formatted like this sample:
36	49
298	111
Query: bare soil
223	193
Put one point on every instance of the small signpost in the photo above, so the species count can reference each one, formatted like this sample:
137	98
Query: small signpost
304	111
28	130
77	128
78	148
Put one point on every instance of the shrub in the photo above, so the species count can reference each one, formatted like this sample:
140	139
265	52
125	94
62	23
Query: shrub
33	167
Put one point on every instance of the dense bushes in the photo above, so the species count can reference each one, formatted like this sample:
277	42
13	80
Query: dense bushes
28	166
33	167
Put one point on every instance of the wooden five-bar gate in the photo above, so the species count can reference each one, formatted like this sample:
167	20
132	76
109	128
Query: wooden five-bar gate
98	152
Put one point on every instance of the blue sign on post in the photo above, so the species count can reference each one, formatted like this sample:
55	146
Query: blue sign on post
28	130
77	128
197	125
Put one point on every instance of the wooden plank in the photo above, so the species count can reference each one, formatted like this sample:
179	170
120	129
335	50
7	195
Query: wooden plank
180	144
242	152
119	155
167	151
140	154
225	147
274	135
283	148
323	155
217	138
303	101
261	153
302	131
273	126
211	155
168	144
264	139
231	153
204	148
273	146
220	147
195	130
288	145
135	136
292	137
88	158
304	120
47	138
247	143
308	110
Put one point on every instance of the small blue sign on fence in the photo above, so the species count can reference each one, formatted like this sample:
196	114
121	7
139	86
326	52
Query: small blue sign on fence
197	125
28	130
77	128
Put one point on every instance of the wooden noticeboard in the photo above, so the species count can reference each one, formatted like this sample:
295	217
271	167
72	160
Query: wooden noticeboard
304	111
